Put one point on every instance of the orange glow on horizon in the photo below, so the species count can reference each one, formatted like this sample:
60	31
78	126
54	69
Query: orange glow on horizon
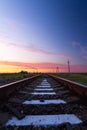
11	67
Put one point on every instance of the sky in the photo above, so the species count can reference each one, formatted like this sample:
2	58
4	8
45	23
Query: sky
42	35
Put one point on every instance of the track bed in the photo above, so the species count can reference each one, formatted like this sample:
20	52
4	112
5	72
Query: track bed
43	104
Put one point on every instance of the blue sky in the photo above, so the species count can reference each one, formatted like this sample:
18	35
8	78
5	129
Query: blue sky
43	31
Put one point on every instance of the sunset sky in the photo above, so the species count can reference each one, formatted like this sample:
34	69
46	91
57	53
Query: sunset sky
39	35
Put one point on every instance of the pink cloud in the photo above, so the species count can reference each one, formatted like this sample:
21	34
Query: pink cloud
49	66
33	49
30	48
30	65
79	68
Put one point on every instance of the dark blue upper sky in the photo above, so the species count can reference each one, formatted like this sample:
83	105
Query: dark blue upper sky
57	27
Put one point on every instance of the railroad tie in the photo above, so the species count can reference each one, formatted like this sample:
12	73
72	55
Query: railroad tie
44	96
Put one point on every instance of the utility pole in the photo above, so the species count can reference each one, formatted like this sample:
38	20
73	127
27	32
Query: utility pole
68	66
57	69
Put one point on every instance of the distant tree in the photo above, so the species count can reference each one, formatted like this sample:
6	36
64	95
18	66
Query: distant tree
24	73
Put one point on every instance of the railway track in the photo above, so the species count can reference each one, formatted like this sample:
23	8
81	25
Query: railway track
42	102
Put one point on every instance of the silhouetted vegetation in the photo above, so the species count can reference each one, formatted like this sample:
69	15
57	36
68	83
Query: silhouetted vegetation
11	77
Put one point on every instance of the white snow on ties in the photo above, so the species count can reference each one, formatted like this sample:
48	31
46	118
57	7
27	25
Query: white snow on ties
57	101
43	93
45	89
44	120
45	83
45	86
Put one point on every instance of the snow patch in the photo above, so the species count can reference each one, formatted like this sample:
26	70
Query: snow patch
43	93
58	101
38	89
44	82
44	120
46	86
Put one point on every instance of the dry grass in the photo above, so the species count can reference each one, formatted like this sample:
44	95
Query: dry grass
77	77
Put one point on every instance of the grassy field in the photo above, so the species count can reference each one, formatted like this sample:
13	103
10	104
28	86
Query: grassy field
11	77
77	77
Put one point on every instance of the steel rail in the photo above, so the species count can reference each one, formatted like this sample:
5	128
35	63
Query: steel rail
31	109
7	89
80	89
